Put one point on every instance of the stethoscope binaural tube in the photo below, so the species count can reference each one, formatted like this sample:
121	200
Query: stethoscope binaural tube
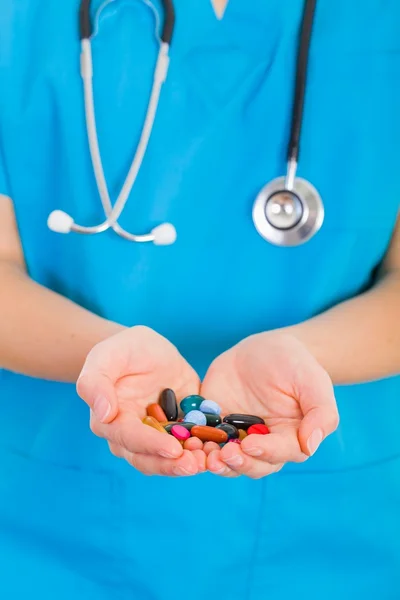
60	221
288	211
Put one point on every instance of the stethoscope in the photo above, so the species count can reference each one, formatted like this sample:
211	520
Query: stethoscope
288	211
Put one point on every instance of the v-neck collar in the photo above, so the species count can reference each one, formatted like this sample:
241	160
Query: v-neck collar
214	9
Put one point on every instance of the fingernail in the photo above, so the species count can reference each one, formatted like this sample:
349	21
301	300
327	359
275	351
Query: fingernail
314	441
222	471
234	461
101	408
181	471
253	451
165	454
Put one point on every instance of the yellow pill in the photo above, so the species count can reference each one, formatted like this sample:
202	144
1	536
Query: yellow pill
242	434
154	423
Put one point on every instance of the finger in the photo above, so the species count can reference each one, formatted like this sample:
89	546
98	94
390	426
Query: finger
116	450
134	351
216	466
201	460
193	444
130	433
142	464
318	404
97	390
184	466
210	447
274	448
241	464
105	364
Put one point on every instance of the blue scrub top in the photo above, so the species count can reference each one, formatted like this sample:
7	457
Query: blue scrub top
221	133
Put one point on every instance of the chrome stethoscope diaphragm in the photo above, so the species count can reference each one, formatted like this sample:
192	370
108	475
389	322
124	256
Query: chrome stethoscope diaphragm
288	211
288	215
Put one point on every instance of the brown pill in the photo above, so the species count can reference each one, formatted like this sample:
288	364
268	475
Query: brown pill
242	434
154	423
209	434
155	411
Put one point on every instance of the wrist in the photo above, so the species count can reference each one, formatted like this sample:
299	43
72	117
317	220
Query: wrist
310	337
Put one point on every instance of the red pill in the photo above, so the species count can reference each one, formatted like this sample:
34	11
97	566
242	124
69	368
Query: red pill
260	429
236	441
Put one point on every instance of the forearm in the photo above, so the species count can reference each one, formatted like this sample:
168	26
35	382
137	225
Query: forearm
358	340
43	334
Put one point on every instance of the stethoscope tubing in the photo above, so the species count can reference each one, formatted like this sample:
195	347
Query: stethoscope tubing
113	213
278	217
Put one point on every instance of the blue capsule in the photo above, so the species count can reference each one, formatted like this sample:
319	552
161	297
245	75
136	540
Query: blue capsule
195	416
211	407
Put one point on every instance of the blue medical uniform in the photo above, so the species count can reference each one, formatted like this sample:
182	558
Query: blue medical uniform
75	522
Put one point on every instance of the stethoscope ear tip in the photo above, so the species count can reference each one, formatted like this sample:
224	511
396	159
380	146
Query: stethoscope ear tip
60	222
164	234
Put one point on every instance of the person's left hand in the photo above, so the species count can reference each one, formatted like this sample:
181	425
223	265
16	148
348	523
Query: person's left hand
273	376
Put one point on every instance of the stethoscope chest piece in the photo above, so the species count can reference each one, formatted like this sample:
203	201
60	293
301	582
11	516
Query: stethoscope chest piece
288	217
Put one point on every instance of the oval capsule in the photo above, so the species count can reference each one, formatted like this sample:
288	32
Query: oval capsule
243	421
168	426
212	419
259	429
152	422
195	416
181	433
191	403
209	434
231	430
154	410
169	405
242	434
209	406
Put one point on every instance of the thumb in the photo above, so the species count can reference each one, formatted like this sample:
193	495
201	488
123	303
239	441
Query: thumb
321	416
98	391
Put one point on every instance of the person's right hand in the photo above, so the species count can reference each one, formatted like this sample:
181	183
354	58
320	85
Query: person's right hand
120	378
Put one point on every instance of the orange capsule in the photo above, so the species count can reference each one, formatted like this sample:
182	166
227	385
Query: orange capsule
154	423
242	434
155	411
209	434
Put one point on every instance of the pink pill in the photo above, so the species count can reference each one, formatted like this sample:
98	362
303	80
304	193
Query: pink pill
235	441
181	433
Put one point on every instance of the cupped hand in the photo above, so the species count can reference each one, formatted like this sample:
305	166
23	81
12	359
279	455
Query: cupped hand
273	376
120	378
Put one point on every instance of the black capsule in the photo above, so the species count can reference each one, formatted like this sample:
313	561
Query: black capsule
243	421
231	430
187	426
212	419
169	405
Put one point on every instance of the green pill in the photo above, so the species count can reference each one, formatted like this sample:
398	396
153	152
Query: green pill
187	426
191	403
212	419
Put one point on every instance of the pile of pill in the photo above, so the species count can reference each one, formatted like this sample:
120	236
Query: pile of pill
202	419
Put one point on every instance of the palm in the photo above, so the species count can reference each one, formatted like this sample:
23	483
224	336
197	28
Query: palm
249	382
273	376
130	370
136	392
146	365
